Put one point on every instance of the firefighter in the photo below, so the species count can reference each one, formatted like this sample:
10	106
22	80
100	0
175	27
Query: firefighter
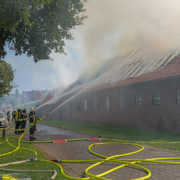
14	116
24	118
18	127
8	116
32	121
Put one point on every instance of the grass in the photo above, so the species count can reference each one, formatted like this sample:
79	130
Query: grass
22	154
161	138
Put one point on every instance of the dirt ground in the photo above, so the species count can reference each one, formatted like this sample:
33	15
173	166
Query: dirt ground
77	150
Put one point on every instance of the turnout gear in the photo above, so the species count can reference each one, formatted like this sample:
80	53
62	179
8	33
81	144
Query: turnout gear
32	122
19	116
14	116
8	116
24	118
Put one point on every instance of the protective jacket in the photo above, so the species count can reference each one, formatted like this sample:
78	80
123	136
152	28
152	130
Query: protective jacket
24	115
14	114
19	115
32	119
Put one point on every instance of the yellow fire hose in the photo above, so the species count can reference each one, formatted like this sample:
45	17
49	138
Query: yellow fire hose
123	162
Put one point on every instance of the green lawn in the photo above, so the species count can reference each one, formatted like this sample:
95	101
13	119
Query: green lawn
162	139
22	154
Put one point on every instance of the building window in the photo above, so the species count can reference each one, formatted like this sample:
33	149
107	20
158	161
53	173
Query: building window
78	105
138	100
107	104
85	104
178	96
122	103
95	104
157	98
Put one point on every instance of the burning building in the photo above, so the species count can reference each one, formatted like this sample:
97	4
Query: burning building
126	91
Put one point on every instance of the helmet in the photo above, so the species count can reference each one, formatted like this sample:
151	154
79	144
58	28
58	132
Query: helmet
23	108
32	109
14	109
19	108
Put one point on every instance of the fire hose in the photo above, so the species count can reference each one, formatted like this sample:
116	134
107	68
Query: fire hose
124	162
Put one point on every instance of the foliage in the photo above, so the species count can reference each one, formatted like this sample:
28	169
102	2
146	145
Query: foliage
38	27
6	78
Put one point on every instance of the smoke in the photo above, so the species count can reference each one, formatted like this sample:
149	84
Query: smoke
114	28
118	26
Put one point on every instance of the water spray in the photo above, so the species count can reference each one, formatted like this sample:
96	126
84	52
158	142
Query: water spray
27	103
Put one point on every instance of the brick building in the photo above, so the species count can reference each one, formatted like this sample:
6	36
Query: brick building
33	95
150	100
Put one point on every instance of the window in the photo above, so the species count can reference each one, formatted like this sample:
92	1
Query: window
78	105
85	104
122	103
178	96
138	100
157	98
95	104
107	104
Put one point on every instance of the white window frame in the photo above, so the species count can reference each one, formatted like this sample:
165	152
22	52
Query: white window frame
138	98
95	104
122	97
107	104
178	97
85	105
155	98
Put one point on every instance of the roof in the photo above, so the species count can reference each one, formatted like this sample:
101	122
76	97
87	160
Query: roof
170	70
39	95
129	69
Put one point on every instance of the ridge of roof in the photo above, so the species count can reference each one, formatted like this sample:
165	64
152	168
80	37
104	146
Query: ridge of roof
171	69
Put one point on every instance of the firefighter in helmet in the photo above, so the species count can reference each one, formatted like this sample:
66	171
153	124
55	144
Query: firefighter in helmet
24	118
8	116
18	127
14	116
32	123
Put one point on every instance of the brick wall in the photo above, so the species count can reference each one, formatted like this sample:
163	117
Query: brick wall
165	116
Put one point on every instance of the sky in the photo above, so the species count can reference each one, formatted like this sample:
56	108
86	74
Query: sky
113	27
46	74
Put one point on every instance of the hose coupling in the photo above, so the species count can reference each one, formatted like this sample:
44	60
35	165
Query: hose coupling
55	160
32	158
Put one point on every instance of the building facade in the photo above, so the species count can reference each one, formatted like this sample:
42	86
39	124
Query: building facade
149	101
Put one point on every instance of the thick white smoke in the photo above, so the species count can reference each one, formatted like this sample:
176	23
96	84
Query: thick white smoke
118	26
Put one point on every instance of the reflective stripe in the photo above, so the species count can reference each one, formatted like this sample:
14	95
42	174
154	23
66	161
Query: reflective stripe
19	129
31	124
19	120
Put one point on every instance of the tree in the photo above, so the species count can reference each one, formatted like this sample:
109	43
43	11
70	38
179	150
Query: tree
6	78
38	27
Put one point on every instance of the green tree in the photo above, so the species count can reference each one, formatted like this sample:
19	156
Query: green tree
38	27
6	78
